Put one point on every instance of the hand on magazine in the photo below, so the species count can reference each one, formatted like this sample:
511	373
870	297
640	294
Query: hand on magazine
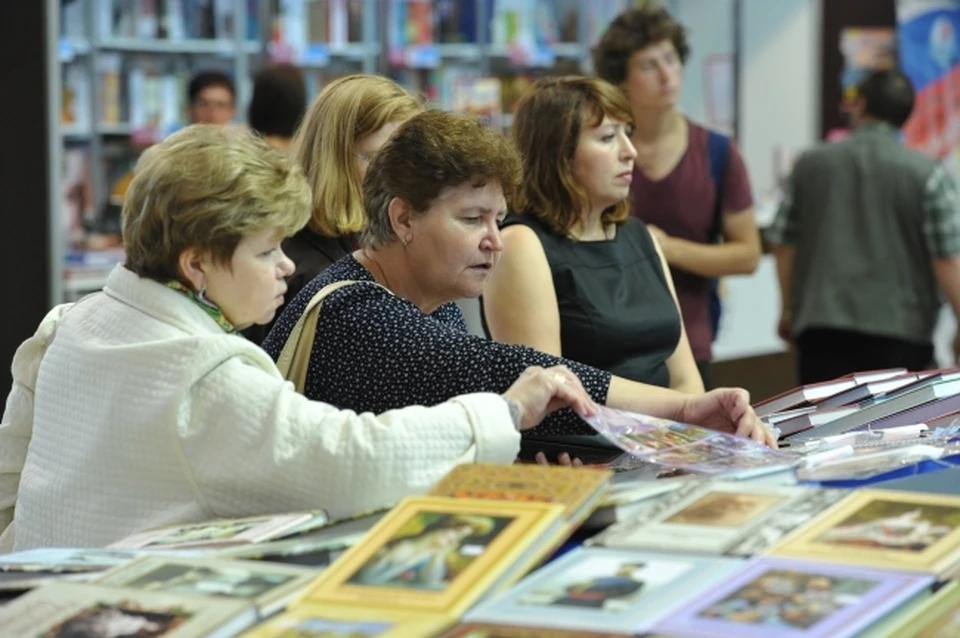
562	459
726	410
540	391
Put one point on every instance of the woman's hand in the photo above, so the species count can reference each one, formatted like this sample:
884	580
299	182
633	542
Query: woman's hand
540	391
562	459
727	410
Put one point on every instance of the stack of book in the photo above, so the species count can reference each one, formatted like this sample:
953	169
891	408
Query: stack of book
737	544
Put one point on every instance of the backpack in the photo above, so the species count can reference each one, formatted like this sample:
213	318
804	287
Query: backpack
718	146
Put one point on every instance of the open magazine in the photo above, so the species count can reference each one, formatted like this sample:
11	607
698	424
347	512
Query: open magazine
687	447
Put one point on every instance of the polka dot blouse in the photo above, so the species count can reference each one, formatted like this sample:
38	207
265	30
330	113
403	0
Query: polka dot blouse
376	352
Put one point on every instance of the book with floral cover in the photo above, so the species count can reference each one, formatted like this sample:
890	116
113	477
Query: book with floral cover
578	489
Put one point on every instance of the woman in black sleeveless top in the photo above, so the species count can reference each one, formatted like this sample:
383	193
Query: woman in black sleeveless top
579	277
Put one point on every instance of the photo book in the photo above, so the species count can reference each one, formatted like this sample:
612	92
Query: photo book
226	532
325	621
883	529
62	559
267	586
687	447
66	610
596	589
719	518
440	555
795	599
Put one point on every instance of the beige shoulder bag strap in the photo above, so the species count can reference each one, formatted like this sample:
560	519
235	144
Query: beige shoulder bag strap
295	356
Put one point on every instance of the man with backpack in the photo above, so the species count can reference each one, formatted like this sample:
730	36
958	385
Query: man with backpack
690	184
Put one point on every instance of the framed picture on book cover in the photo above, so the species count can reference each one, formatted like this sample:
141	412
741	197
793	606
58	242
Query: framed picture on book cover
708	521
602	589
350	622
795	599
493	630
438	555
885	529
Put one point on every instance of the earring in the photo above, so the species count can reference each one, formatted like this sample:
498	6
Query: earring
404	241
202	297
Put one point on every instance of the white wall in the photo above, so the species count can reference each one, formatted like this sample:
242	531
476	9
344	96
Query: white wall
710	32
780	81
779	106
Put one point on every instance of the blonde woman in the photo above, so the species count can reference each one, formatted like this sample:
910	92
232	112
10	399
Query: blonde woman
343	129
141	407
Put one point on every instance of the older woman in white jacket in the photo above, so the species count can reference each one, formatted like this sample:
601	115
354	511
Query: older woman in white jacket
141	406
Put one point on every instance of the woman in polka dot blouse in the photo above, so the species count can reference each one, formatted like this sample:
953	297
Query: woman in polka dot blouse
434	197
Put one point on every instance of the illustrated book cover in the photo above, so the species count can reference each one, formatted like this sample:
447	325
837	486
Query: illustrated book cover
687	447
266	585
440	555
597	589
795	599
226	532
579	489
72	609
883	529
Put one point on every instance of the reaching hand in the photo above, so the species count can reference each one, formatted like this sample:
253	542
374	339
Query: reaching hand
540	391
726	410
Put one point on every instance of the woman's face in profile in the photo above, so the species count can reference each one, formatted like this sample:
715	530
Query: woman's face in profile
368	146
603	162
252	288
456	243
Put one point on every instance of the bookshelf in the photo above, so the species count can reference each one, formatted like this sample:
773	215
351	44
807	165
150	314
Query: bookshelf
124	66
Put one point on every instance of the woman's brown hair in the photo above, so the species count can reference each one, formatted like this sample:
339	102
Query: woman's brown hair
546	129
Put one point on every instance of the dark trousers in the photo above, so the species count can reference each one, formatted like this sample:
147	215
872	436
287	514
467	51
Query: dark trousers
824	354
704	368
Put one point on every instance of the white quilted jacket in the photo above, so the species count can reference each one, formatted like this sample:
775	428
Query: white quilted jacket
142	412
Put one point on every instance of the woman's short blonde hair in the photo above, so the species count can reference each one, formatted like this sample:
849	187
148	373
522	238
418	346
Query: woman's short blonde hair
546	128
346	111
207	187
427	154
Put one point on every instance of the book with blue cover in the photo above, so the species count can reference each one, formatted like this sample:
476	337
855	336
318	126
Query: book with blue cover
598	589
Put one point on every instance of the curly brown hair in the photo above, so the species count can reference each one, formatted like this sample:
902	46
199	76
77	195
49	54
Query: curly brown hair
427	154
632	31
546	129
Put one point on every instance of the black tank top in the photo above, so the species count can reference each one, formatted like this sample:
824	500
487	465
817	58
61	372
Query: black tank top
616	311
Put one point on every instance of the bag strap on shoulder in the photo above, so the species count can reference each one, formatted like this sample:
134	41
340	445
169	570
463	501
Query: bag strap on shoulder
295	356
718	146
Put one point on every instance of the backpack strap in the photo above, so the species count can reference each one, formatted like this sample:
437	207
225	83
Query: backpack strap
295	356
718	146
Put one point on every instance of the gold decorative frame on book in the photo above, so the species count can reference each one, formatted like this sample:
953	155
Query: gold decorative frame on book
437	555
885	529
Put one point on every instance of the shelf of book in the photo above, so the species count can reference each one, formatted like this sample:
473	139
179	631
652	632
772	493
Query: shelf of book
124	65
190	46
